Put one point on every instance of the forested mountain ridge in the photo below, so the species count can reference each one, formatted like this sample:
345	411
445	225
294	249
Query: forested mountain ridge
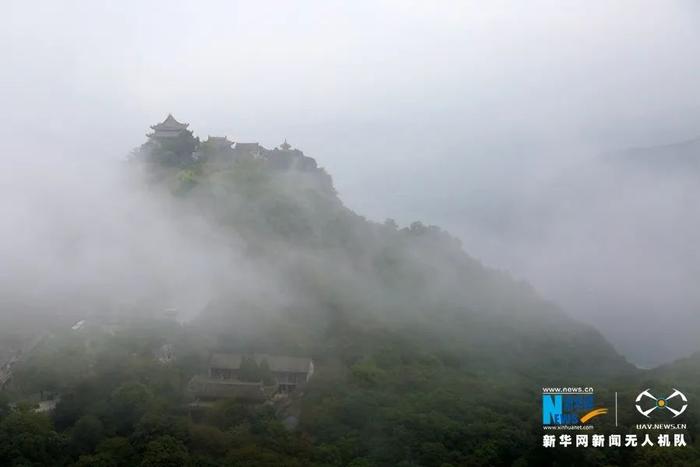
423	356
333	263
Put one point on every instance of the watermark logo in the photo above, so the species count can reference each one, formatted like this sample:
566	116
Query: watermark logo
565	410
569	406
646	403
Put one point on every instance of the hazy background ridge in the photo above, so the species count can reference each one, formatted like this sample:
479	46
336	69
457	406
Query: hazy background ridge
496	120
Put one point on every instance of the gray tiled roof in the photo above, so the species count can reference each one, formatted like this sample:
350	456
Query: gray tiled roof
201	386
281	363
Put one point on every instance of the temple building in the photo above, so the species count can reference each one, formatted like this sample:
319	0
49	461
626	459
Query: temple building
171	143
227	376
218	143
216	150
288	372
206	390
168	128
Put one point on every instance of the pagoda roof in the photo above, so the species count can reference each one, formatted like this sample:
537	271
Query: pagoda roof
170	124
285	146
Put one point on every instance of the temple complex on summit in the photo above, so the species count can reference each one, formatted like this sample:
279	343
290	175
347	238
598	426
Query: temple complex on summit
173	143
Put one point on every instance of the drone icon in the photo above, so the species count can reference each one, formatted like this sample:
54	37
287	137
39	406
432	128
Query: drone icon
661	403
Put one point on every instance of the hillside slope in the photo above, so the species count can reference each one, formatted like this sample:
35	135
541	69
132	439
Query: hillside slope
327	266
422	355
402	323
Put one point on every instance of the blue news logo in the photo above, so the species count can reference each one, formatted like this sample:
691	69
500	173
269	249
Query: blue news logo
569	409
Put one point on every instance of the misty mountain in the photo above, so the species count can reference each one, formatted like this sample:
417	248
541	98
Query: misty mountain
386	234
609	237
421	353
320	268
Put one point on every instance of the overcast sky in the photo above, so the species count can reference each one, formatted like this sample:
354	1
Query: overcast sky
447	111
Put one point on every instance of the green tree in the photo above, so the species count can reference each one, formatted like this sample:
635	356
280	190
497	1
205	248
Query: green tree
87	433
209	440
127	405
170	152
28	438
119	450
165	451
4	405
156	424
96	460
